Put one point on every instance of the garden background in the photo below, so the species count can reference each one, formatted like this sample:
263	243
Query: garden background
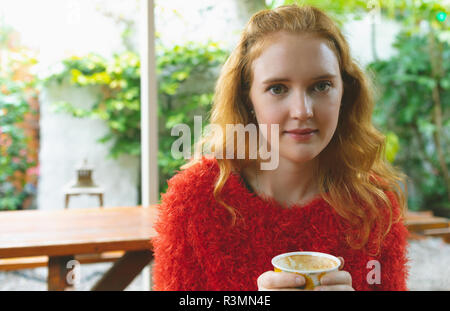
79	98
70	89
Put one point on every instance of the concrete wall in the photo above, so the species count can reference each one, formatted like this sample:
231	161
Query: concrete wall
358	35
66	141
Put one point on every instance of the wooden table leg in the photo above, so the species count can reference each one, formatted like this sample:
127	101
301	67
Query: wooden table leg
57	273
124	270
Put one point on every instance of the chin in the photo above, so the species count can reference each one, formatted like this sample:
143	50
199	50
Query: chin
299	158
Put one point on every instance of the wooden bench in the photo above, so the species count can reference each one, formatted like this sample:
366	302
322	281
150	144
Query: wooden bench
424	224
419	225
19	263
56	237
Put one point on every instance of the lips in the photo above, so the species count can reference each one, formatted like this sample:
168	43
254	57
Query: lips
301	131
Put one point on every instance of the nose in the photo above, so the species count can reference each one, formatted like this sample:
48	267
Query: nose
301	106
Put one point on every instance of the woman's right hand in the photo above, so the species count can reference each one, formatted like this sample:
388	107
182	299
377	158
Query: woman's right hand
271	280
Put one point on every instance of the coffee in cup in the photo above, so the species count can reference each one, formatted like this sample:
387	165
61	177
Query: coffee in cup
311	265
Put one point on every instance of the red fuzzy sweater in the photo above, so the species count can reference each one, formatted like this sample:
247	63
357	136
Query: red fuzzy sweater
197	249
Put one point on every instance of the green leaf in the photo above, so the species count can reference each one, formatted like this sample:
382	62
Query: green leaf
392	146
426	127
174	120
445	83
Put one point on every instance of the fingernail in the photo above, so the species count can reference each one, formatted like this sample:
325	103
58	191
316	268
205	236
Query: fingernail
299	280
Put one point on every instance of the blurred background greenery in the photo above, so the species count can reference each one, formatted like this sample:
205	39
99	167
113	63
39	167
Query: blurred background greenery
412	92
18	110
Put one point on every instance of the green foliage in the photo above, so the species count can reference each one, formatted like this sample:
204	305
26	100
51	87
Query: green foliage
119	105
406	107
392	146
412	13
16	87
408	12
412	108
13	148
178	104
339	10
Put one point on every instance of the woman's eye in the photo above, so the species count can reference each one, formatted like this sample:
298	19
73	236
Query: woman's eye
322	86
277	89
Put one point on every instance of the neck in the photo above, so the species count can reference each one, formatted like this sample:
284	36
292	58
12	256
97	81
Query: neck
290	183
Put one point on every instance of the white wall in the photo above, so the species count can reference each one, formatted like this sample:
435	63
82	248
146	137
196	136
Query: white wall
357	34
66	141
178	21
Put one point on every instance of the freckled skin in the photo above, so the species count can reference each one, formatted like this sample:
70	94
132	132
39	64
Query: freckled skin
300	101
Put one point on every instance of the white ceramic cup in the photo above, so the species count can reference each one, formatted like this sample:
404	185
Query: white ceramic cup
312	277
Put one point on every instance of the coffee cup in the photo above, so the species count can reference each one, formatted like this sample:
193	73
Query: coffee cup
311	265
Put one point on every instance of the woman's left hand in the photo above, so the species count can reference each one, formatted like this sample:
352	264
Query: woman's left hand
336	280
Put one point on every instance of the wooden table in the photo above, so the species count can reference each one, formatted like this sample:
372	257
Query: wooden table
62	234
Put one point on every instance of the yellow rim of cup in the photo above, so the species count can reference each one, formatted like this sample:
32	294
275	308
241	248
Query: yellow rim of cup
318	254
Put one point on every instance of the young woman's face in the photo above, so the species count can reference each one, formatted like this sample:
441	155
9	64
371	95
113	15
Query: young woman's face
297	85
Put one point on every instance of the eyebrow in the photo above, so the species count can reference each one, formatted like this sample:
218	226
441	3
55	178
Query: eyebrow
324	76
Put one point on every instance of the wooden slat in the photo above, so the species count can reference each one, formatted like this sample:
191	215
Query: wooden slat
19	263
443	233
64	249
97	258
426	223
410	215
7	264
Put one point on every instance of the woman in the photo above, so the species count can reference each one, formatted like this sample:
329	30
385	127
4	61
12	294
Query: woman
222	219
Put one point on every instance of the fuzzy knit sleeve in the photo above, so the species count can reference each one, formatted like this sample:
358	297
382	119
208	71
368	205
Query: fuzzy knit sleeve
176	266
393	262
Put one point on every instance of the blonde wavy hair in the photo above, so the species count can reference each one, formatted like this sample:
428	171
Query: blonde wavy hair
352	163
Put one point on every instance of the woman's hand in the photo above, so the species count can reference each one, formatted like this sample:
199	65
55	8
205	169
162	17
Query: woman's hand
336	281
285	281
271	280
